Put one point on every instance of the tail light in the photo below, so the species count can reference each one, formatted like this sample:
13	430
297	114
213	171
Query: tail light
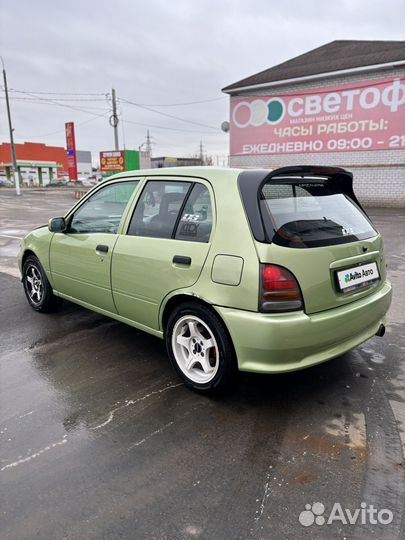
279	290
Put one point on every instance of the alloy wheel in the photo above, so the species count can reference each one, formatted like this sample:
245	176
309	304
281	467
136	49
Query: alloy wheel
34	284
195	349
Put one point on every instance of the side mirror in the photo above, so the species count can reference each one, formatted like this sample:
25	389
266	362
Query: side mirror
57	224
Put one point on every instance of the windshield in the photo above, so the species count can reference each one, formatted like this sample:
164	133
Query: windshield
308	214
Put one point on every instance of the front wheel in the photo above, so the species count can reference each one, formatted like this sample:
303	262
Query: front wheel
37	288
200	348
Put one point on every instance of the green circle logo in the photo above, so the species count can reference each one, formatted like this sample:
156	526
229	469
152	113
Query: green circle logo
276	110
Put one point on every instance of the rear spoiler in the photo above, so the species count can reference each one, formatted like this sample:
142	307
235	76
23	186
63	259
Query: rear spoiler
251	183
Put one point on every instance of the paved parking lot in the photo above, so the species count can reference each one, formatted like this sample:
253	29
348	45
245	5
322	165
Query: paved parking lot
100	440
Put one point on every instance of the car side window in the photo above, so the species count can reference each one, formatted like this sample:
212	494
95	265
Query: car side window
196	221
102	212
158	208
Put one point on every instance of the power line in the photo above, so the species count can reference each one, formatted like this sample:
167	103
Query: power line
181	104
33	101
63	129
166	128
61	93
56	102
59	99
34	98
169	115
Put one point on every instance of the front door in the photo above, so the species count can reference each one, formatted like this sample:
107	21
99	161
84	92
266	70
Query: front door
80	258
165	247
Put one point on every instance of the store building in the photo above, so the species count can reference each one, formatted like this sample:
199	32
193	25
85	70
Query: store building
37	163
341	104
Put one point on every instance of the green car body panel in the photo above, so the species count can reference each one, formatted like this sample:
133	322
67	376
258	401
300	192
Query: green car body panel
137	282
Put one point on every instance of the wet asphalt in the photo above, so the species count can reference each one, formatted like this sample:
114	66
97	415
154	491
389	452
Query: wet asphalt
100	440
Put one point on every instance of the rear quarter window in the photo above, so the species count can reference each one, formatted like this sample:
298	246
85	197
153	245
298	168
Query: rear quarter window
308	214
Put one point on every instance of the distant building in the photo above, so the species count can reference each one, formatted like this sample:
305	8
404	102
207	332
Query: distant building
159	162
84	164
341	104
144	160
37	163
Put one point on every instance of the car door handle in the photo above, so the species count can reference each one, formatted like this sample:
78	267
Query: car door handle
102	248
179	259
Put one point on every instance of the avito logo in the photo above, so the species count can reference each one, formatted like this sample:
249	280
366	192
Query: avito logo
353	276
315	514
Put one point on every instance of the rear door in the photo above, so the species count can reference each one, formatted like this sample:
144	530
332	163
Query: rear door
323	237
164	248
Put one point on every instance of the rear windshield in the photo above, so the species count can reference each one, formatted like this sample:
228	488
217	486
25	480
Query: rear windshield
308	214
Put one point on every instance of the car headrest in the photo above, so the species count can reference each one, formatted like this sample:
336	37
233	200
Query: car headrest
168	198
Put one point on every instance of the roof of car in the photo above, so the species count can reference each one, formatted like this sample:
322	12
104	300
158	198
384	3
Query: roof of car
199	172
334	56
227	174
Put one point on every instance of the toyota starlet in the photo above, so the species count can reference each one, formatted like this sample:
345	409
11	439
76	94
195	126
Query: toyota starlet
256	270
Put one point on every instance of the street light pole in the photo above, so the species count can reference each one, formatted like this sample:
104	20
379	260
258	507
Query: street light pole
15	169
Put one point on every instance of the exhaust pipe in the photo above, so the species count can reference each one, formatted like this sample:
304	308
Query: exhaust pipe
381	331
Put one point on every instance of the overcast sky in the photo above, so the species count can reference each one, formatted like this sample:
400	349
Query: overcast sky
158	53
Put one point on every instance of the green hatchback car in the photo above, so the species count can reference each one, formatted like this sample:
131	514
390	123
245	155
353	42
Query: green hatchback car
264	271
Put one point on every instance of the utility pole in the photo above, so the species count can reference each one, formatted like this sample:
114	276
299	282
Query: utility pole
114	119
201	153
148	144
15	169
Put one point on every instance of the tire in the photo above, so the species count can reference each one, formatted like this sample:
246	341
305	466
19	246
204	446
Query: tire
200	348
37	288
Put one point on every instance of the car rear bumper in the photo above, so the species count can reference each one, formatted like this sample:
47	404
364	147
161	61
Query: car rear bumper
277	343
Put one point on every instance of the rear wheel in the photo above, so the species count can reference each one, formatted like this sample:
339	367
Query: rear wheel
37	288
200	348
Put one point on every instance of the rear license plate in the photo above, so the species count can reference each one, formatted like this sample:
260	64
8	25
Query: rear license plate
357	277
